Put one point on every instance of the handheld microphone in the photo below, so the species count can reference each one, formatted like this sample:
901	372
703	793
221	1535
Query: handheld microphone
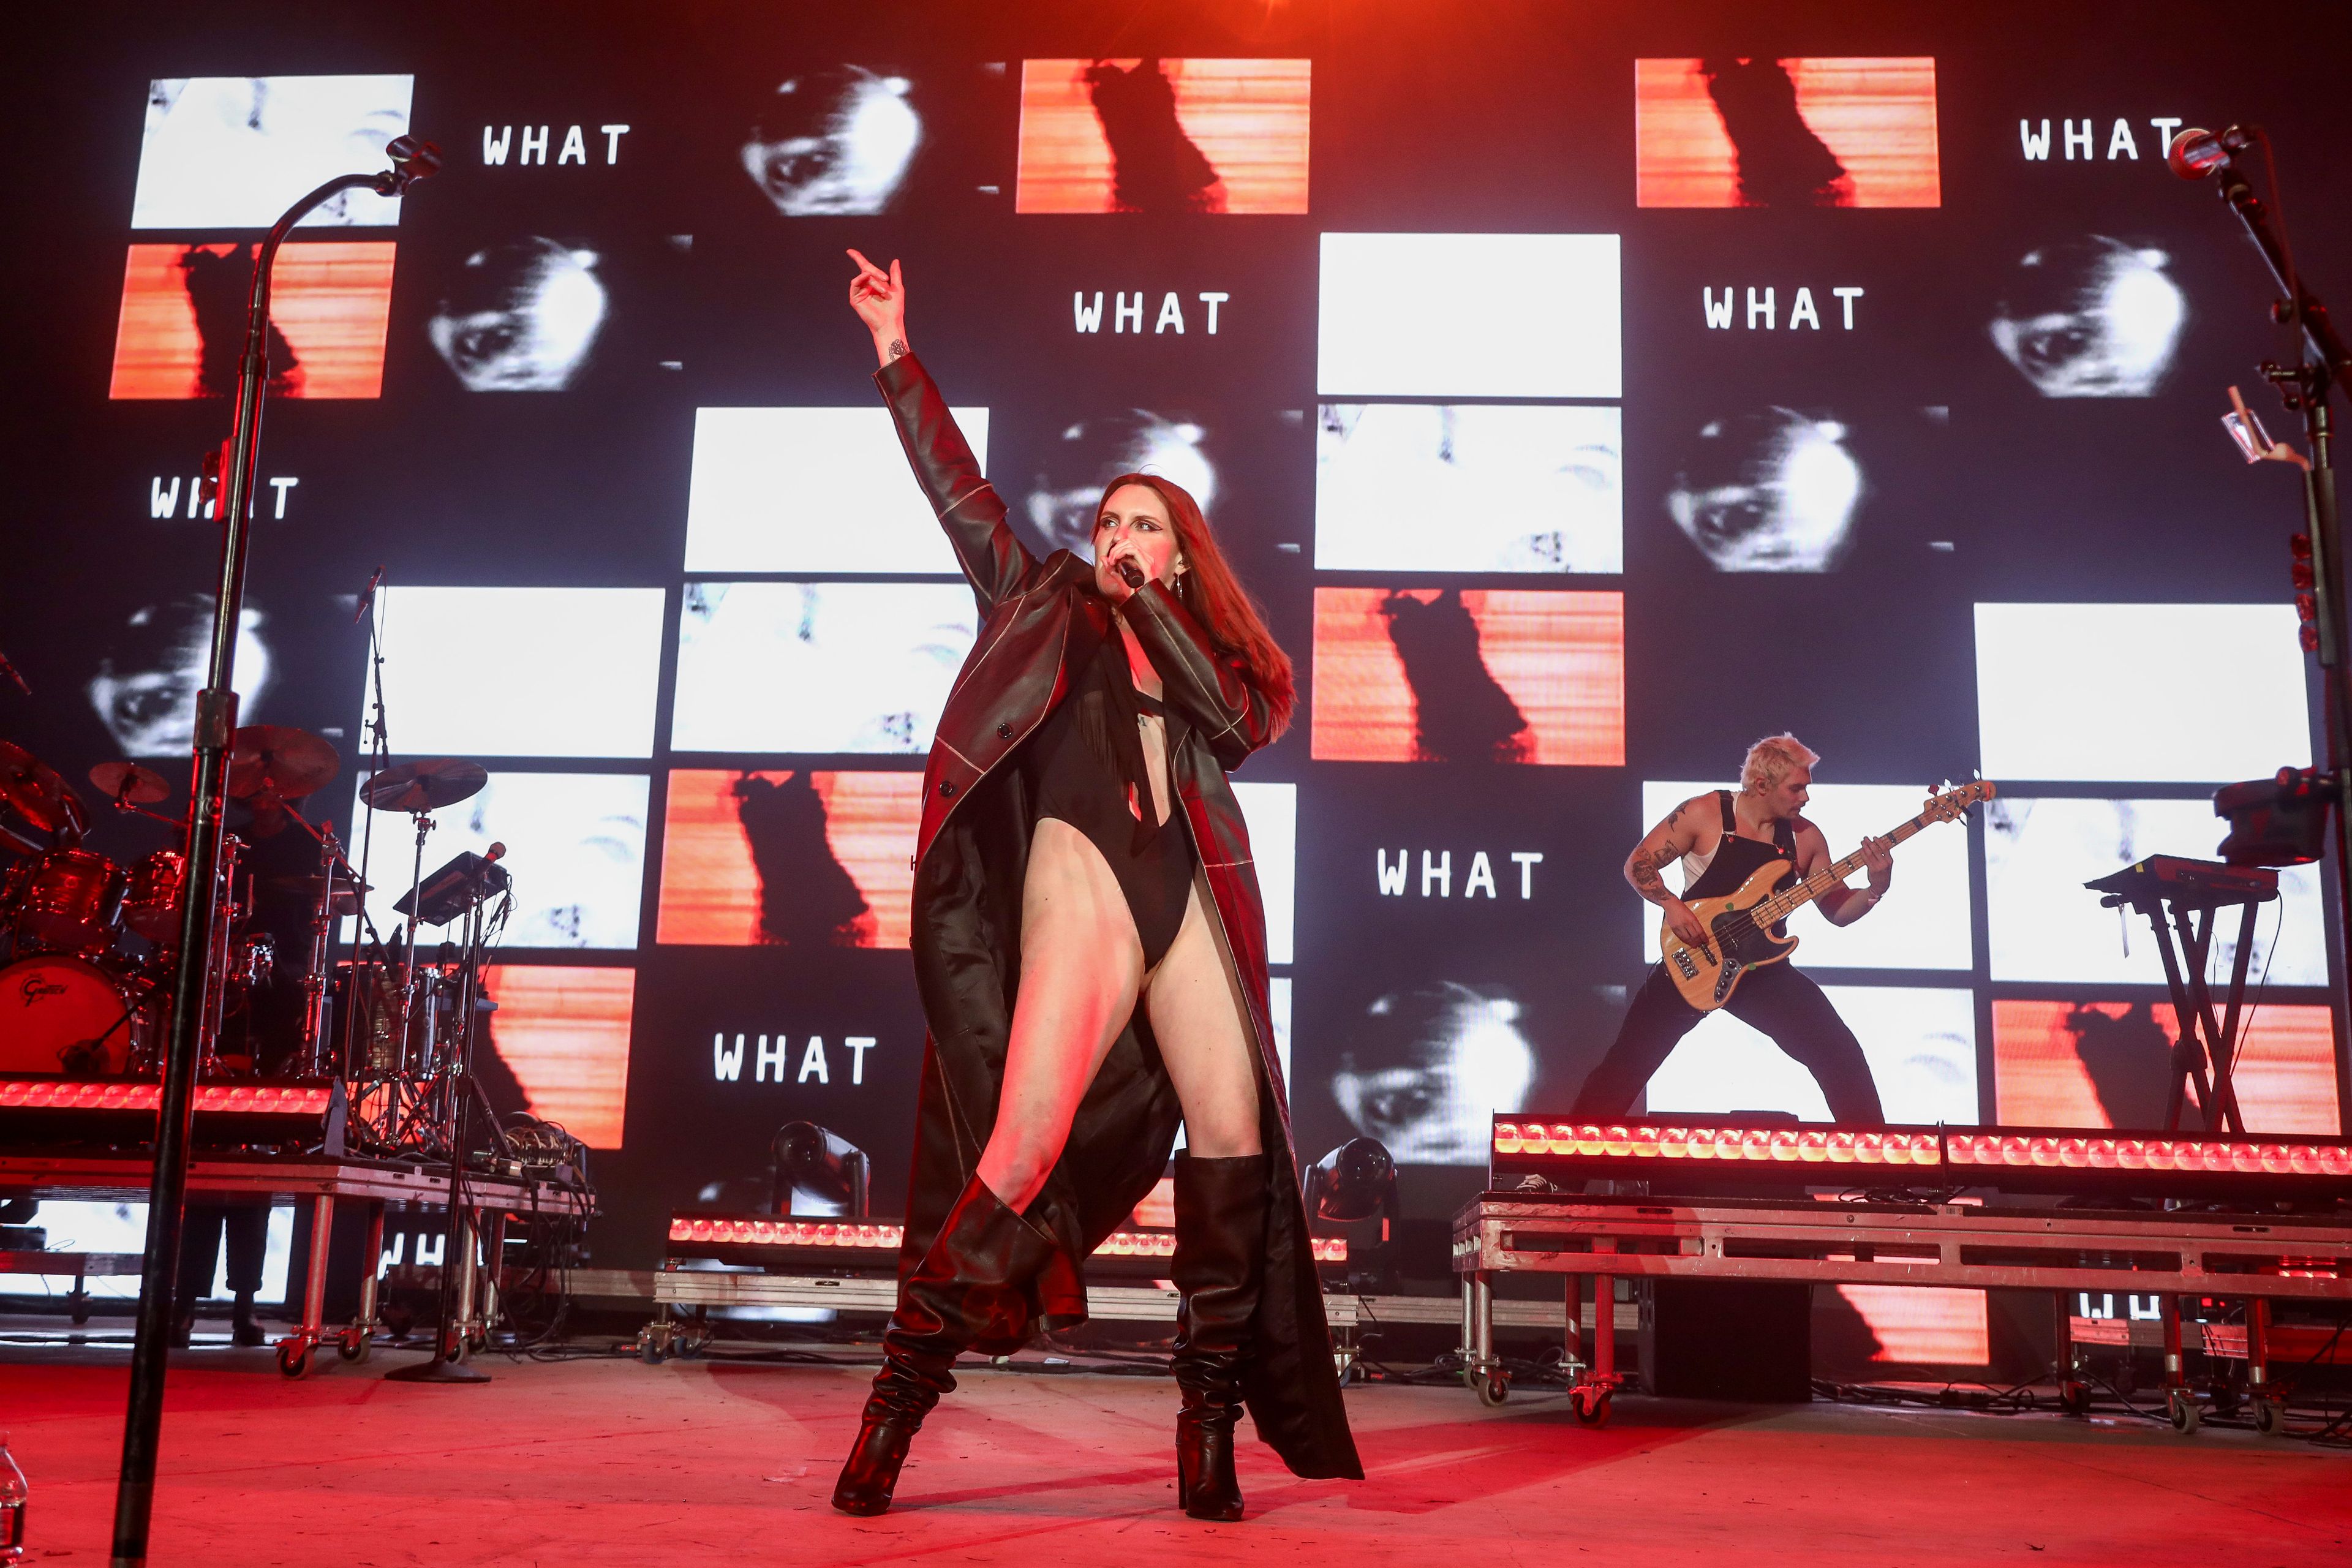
2194	154
496	851
367	597
1129	570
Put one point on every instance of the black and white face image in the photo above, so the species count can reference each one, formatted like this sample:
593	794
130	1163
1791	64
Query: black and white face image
2091	318
523	317
834	143
1769	491
1430	1068
1090	454
145	689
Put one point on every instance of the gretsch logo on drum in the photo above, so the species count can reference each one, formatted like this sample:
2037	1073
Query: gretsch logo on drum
35	988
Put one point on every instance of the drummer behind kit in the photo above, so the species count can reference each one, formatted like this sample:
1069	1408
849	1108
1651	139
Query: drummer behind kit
88	946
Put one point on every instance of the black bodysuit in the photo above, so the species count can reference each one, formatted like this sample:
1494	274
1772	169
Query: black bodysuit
1081	763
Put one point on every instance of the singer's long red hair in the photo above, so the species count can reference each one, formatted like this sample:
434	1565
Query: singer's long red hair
1217	599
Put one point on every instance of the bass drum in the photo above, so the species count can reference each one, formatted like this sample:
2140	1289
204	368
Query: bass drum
67	1015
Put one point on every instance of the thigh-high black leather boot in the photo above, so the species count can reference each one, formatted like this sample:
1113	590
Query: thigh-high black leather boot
1219	1267
968	1288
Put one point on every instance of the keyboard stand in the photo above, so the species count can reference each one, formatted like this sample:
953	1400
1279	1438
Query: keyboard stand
2185	918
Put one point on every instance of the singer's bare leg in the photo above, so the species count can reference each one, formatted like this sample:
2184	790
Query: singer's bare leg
1195	1005
1081	968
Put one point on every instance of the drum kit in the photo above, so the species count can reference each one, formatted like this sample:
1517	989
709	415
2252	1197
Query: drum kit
88	946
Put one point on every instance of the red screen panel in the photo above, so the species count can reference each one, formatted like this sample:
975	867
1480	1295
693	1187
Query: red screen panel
182	328
1217	136
1792	132
563	1032
835	846
1923	1325
1407	674
2073	1064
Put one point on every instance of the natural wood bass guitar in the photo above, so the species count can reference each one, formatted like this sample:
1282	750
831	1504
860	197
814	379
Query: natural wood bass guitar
1740	922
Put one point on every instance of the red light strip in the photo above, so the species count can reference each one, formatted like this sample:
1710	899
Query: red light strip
1751	1146
2204	1156
116	1094
726	1230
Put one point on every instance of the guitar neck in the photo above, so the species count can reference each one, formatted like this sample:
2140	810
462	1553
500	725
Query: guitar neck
1797	895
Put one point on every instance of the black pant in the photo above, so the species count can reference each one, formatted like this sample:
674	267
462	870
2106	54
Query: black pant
246	1226
1774	999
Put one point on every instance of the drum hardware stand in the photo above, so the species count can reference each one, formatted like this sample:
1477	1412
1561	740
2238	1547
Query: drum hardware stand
332	864
134	1498
458	1263
379	757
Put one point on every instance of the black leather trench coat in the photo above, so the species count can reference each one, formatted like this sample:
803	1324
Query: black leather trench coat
972	858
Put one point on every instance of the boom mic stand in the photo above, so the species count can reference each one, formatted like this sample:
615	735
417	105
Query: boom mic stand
2306	389
135	1496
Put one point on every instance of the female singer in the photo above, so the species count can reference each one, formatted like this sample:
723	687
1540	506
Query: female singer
1090	948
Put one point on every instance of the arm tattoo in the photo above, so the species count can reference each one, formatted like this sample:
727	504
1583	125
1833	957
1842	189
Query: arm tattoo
898	348
1642	869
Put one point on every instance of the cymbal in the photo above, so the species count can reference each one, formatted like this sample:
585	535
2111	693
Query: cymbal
130	782
279	759
427	785
39	792
345	893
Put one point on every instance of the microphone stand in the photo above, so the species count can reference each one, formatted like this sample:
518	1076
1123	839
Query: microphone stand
2306	389
135	1496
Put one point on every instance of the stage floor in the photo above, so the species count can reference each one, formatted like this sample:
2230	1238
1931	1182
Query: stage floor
695	1462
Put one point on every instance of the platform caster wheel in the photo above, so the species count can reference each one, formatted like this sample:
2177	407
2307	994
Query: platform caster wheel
2184	1413
355	1346
2073	1399
1591	1405
652	1350
294	1360
1492	1388
2270	1417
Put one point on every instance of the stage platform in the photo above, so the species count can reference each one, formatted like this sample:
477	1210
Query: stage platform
612	1462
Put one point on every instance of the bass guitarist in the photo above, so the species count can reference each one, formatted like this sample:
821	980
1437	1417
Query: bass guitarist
1721	839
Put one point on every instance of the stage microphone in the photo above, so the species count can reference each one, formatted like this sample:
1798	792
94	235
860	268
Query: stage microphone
2197	153
15	678
496	851
413	159
367	597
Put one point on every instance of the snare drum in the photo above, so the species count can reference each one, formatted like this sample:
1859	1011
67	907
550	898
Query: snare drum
68	1016
65	901
152	906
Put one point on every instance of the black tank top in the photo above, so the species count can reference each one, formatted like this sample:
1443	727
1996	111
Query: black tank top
1737	858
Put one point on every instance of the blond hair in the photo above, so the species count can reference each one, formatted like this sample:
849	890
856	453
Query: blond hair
1770	760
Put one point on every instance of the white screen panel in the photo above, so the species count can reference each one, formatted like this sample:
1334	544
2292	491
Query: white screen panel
1412	315
2046	926
818	667
1920	1042
1922	923
1424	487
235	152
1271	812
2153	693
520	672
575	848
813	489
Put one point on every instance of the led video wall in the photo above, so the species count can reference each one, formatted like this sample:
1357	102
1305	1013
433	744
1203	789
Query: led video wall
1581	405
